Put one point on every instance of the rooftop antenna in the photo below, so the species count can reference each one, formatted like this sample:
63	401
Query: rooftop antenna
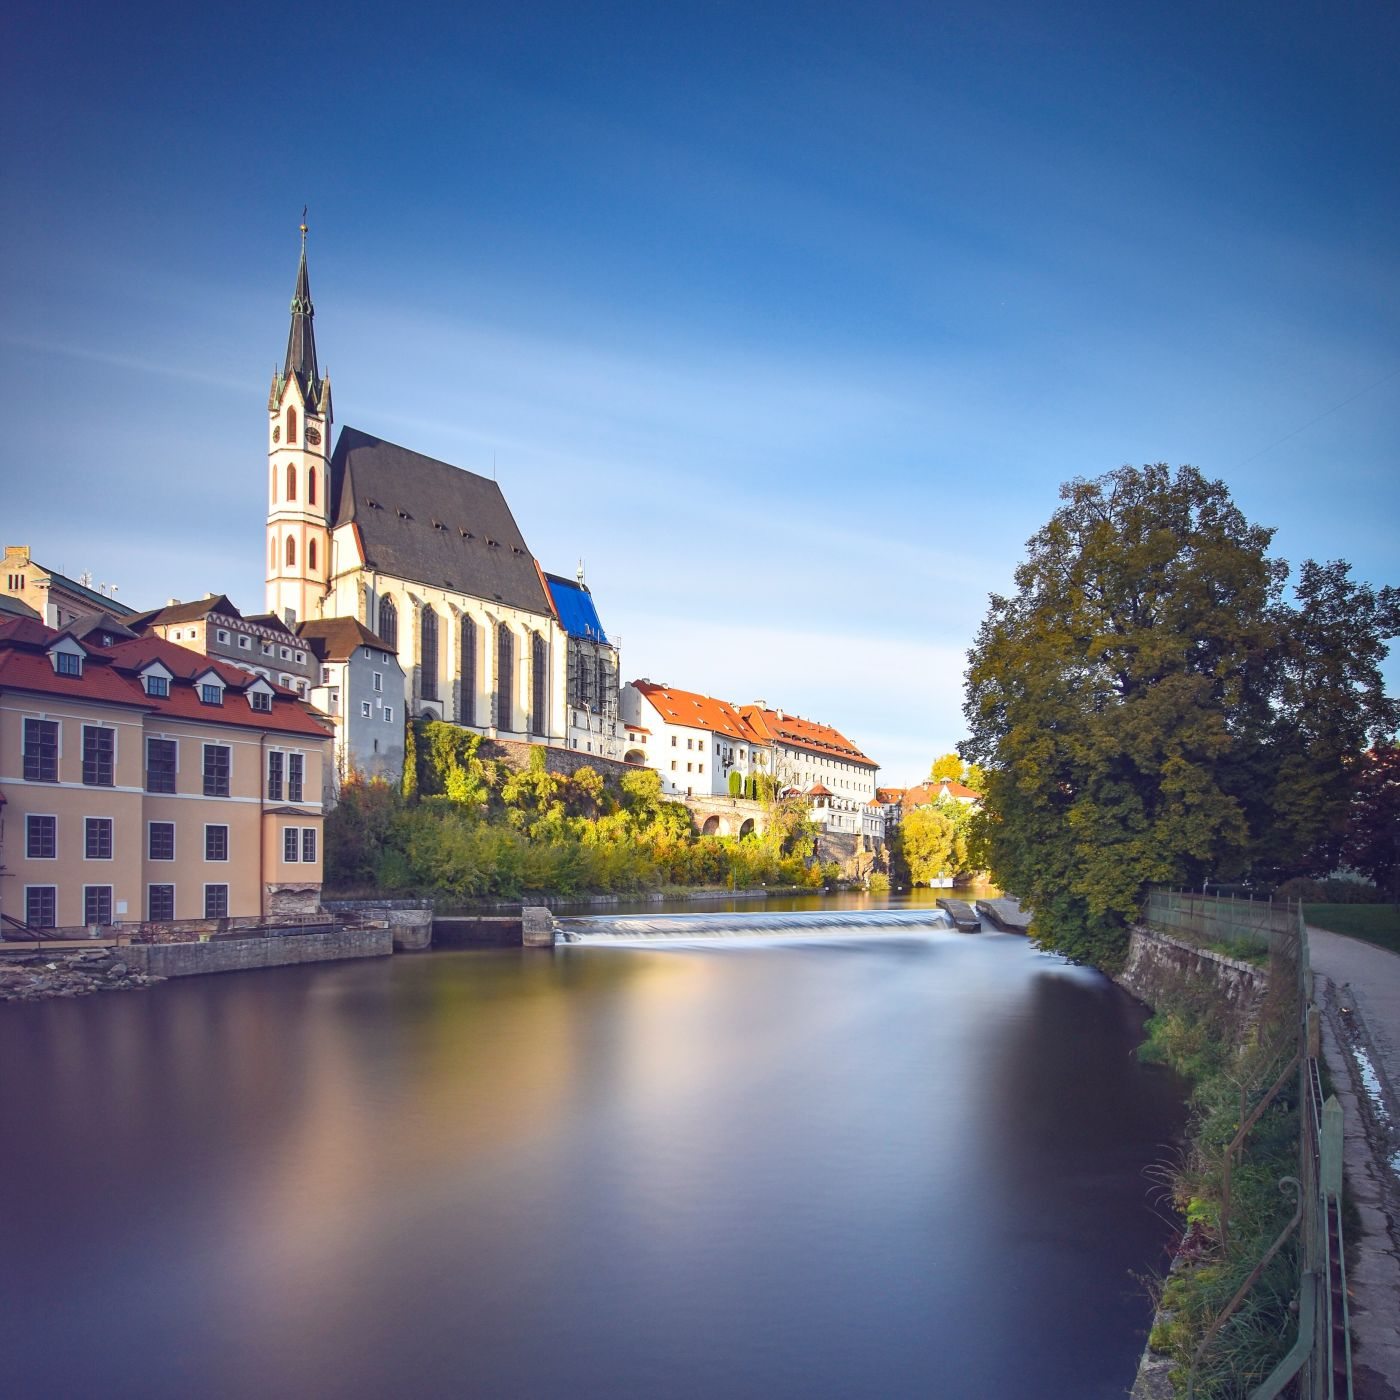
579	574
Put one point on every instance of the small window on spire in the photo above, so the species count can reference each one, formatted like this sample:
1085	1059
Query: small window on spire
291	552
291	427
311	555
311	486
291	481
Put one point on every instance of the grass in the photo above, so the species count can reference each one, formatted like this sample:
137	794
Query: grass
1373	923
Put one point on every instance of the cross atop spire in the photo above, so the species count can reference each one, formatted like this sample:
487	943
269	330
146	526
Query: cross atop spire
301	341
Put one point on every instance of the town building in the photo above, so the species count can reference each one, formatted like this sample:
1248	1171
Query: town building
591	669
424	554
261	644
360	687
53	597
821	763
142	781
694	741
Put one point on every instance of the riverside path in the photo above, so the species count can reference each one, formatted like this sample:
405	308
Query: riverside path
1362	999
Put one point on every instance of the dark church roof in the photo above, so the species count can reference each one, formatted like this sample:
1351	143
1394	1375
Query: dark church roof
429	522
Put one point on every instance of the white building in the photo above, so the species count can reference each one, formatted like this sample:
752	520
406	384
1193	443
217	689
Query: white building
822	764
694	741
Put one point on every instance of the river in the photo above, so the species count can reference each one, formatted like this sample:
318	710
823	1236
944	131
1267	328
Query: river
834	1160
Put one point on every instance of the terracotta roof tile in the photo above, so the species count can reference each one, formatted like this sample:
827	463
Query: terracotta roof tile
777	726
696	711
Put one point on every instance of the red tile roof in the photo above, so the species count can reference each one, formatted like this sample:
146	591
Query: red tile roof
819	790
777	726
926	794
110	676
687	707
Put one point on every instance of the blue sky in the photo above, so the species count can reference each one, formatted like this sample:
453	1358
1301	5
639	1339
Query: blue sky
787	319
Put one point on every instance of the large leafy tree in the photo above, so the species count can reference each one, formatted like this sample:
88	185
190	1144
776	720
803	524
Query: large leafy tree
1372	843
1133	700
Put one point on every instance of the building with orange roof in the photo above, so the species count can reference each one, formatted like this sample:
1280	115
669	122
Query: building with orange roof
694	741
820	762
142	781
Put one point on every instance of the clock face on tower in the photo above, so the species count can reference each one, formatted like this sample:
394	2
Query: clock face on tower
277	432
313	437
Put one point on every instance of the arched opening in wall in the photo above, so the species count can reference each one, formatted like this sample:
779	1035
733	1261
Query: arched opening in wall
291	552
634	756
388	628
311	486
468	710
272	490
311	555
272	556
428	659
291	481
291	426
505	677
746	828
710	827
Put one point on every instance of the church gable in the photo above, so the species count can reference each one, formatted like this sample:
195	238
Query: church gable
428	522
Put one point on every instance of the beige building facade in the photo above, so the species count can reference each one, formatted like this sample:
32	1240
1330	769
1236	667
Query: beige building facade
142	782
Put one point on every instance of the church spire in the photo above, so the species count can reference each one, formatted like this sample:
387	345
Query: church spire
301	341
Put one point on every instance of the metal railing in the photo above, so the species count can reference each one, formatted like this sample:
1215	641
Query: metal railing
1320	1357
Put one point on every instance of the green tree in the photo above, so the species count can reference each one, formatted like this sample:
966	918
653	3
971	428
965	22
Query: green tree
1106	697
1372	843
930	843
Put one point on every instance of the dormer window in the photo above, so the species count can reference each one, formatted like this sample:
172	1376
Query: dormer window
158	686
211	693
260	700
68	663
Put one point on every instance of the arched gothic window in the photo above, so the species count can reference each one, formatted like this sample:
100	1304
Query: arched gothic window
505	677
291	426
539	679
389	623
468	671
291	481
311	486
274	485
311	555
428	660
291	552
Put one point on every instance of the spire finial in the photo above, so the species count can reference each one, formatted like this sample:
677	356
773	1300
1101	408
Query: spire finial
303	228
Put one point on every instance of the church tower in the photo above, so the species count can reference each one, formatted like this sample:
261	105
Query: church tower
298	455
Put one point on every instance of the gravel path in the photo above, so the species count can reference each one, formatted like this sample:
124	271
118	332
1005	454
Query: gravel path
1359	987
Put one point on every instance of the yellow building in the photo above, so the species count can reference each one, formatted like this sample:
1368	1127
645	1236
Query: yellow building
140	781
54	598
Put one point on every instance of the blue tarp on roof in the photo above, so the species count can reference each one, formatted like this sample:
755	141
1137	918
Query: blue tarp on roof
576	610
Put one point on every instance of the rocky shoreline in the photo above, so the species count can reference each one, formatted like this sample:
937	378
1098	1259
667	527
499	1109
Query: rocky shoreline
41	976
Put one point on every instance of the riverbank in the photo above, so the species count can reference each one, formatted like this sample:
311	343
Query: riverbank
40	976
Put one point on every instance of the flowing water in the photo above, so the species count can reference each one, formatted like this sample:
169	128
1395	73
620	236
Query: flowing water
815	1158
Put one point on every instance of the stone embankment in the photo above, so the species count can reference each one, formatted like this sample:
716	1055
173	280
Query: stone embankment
41	976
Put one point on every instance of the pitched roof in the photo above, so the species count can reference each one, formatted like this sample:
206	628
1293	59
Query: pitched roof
575	608
91	595
335	638
111	674
687	707
819	790
186	612
926	794
884	796
429	522
15	607
779	727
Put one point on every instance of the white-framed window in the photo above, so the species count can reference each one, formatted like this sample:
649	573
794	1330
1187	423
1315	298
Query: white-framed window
245	643
308	845
260	700
379	680
215	841
97	838
160	902
301	658
216	901
325	675
42	746
285	653
160	841
291	844
41	906
99	755
217	762
210	694
389	714
366	709
222	635
40	836
158	686
97	904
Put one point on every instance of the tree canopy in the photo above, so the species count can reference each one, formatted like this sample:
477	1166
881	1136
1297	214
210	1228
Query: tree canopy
1149	709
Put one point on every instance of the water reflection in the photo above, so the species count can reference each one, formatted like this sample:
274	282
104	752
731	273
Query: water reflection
875	1164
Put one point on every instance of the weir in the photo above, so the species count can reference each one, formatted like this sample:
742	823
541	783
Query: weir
749	924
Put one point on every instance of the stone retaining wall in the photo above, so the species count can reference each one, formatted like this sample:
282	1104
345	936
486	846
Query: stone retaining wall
1162	970
244	954
563	761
